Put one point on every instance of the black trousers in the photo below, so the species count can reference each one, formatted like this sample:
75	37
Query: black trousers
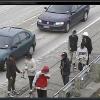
30	81
42	93
65	79
88	59
11	83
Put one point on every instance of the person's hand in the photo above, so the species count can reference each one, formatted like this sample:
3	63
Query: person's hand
11	78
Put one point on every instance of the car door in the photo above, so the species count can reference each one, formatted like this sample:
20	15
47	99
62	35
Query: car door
16	45
81	11
74	18
25	42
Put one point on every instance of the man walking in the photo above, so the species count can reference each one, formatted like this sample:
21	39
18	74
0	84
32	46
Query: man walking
65	68
88	44
73	40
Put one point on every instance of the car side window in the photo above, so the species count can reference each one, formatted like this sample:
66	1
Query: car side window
16	40
27	34
22	36
74	8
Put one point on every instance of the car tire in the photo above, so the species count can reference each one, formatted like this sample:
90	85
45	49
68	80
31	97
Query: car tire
85	16
67	27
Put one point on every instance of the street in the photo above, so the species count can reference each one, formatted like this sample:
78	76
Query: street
25	16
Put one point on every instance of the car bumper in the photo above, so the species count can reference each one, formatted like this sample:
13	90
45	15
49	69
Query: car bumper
51	27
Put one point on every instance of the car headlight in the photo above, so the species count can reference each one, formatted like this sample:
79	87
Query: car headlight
59	23
39	20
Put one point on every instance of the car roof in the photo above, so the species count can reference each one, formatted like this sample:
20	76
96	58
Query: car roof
10	31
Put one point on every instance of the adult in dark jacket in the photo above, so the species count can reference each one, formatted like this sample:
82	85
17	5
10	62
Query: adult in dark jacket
65	68
11	74
73	40
88	44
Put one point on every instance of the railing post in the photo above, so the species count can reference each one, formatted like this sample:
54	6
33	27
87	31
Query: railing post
77	87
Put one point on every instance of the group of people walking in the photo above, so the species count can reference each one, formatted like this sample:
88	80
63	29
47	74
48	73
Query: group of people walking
39	79
79	56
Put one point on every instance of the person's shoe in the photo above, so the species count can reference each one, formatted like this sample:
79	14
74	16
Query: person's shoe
30	91
15	93
10	94
74	66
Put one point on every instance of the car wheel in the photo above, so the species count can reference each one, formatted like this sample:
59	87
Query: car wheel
31	50
67	27
85	17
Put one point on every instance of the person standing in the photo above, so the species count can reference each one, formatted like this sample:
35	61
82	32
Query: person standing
72	43
11	75
65	68
88	44
82	56
30	67
40	81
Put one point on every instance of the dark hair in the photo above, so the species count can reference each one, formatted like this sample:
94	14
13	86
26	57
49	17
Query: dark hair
64	54
28	56
74	31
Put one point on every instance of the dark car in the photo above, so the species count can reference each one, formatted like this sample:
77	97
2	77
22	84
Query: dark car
62	17
16	41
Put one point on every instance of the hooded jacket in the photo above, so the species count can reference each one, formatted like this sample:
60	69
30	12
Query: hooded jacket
88	43
65	66
41	80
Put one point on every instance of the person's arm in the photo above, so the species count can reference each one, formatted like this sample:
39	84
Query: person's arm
33	65
86	54
77	54
36	77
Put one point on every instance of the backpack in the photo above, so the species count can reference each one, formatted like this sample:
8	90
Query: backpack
41	81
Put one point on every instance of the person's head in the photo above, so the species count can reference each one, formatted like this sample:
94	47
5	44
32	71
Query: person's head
85	34
28	56
74	32
82	45
64	55
11	57
45	69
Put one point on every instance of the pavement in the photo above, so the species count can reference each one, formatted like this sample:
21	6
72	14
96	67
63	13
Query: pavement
55	82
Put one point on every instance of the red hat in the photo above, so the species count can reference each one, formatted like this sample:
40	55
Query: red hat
45	69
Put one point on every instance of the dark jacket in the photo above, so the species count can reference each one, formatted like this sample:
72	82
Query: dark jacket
73	42
88	44
65	67
11	68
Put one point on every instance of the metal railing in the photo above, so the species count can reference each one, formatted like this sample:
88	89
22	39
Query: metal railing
70	84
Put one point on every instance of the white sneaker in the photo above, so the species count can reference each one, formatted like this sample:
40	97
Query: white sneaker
10	94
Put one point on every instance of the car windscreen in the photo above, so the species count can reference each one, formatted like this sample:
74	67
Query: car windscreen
59	8
4	42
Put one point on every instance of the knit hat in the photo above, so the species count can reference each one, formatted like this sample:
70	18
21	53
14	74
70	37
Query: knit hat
85	34
45	69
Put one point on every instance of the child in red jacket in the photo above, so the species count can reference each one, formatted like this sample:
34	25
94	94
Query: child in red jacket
40	81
